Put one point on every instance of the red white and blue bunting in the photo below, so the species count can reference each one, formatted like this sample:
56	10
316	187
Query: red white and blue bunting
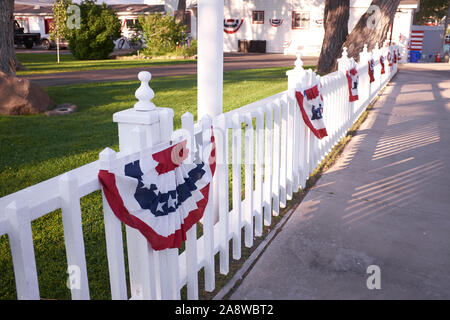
276	22
232	25
161	195
389	58
383	71
353	82
310	102
371	68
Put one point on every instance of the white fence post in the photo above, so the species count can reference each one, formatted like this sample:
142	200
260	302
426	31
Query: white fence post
299	78
140	127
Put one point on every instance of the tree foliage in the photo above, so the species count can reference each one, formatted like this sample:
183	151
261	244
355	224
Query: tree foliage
99	27
59	29
161	33
431	10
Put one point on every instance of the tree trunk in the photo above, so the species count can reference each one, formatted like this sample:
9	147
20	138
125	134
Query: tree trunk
371	28
57	49
8	60
181	11
336	16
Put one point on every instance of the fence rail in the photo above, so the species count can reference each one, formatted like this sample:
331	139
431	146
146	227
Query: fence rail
279	153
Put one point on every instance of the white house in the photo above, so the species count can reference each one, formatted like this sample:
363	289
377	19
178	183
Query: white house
288	24
285	25
34	18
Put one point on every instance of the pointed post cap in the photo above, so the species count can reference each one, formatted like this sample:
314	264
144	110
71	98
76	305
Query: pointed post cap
344	52
144	93
365	48
299	62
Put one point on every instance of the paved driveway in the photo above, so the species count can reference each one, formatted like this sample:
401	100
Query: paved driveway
386	202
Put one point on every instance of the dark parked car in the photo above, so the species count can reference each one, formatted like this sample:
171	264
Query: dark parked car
25	39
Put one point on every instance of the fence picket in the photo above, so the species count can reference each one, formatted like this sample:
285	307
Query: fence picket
268	165
208	215
221	134
114	239
73	234
187	123
283	150
259	167
291	165
236	196
276	159
22	250
248	213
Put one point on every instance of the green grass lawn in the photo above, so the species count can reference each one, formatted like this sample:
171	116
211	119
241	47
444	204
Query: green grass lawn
46	63
36	148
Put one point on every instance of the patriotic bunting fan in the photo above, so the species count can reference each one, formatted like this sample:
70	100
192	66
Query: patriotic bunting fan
161	195
383	71
353	81
232	25
276	22
371	70
311	107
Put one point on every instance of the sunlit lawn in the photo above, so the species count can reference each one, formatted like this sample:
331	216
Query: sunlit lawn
46	63
36	148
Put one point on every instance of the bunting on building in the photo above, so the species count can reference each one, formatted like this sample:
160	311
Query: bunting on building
232	25
276	22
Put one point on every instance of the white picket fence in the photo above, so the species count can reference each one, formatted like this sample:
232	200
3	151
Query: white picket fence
279	155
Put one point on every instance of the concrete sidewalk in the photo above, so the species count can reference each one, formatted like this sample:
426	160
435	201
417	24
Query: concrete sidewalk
386	202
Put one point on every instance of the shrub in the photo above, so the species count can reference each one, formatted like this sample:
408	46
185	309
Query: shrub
162	34
100	26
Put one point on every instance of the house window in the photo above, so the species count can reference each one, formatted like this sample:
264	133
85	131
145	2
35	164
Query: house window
187	21
300	20
23	23
49	25
130	23
258	17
